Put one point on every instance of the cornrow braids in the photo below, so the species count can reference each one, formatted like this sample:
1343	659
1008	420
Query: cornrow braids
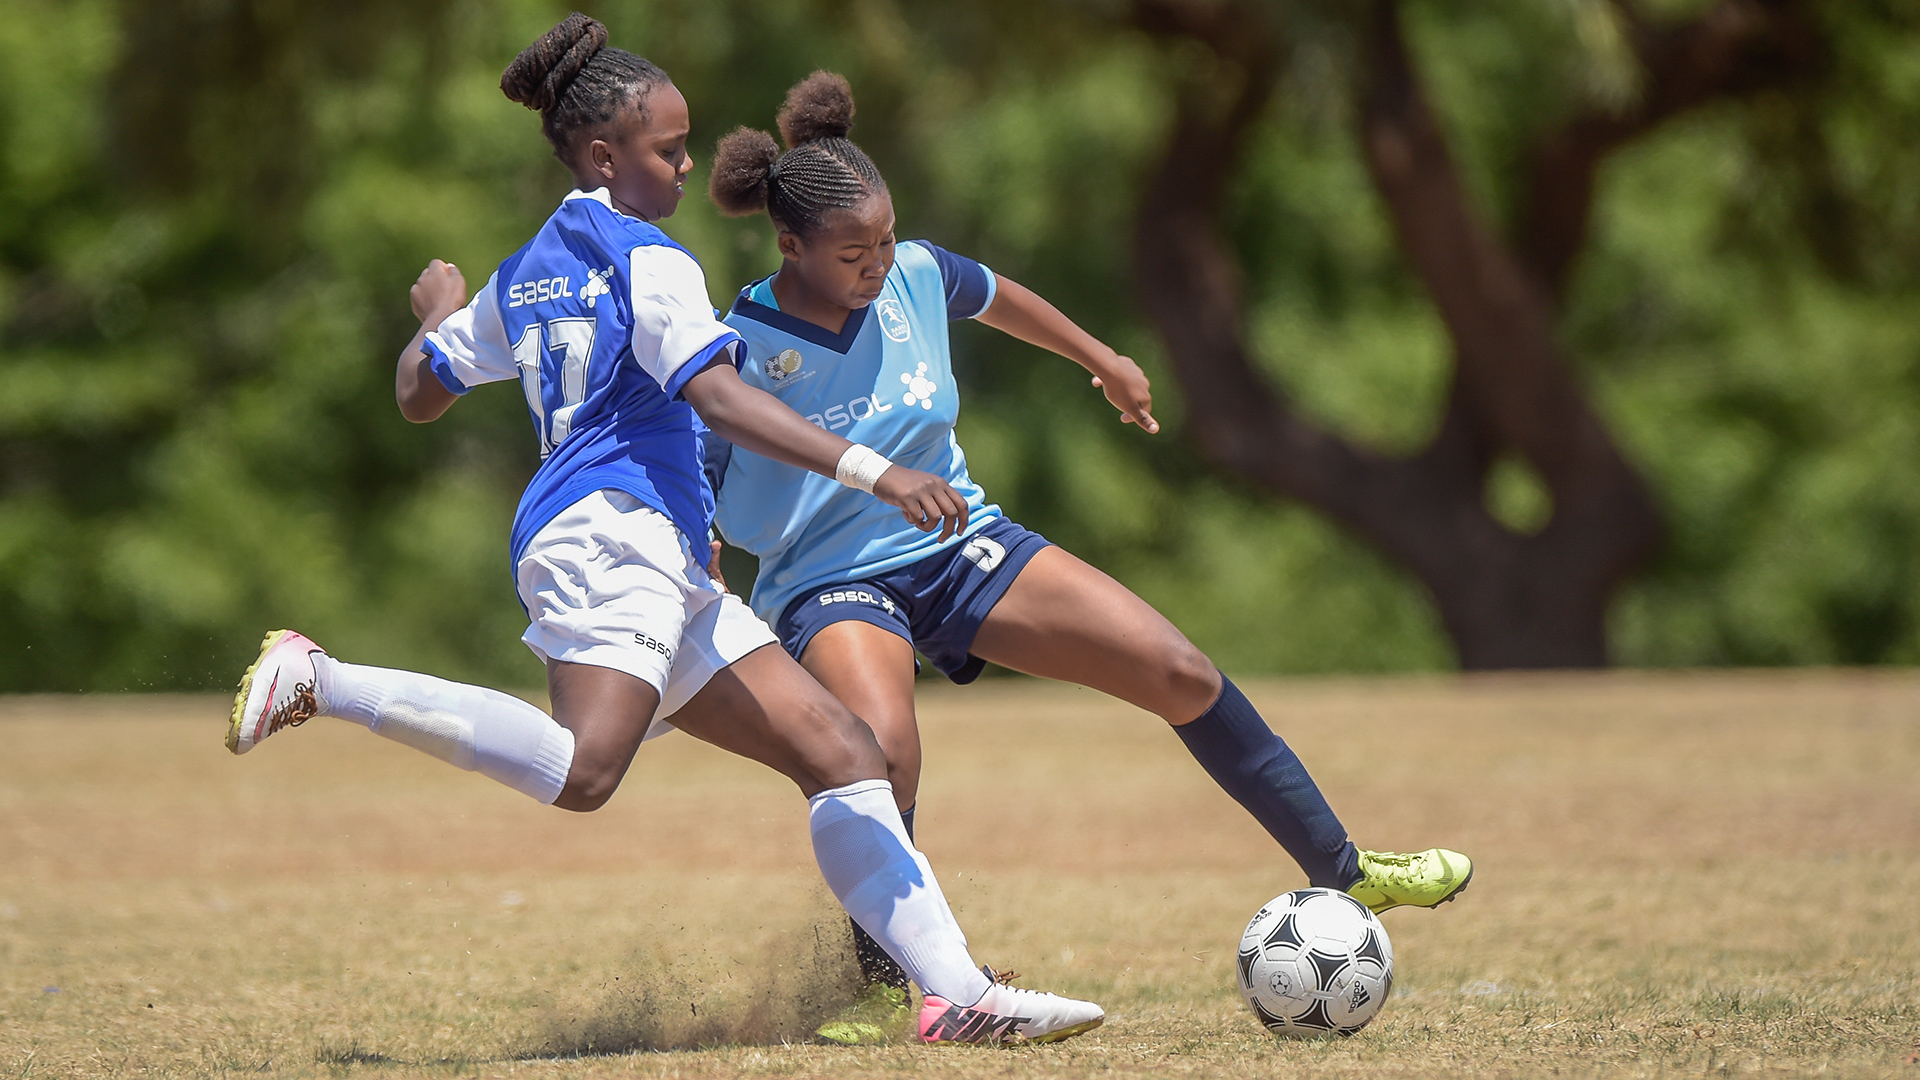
822	170
574	81
815	178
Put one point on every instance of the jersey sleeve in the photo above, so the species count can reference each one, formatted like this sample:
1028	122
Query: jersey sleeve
471	346
970	285
675	331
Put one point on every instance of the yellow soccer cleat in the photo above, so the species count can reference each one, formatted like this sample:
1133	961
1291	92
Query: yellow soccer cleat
881	1014
1422	879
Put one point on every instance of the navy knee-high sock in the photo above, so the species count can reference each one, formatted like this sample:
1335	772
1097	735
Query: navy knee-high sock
875	965
1263	774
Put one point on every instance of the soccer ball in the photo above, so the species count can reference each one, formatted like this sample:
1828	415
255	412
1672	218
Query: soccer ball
1315	962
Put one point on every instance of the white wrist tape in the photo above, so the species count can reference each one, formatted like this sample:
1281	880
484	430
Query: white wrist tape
860	467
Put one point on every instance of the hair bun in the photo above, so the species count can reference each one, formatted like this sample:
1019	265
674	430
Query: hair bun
742	165
820	106
544	69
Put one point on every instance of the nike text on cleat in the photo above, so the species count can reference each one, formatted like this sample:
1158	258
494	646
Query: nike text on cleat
1421	879
1006	1014
278	691
880	1014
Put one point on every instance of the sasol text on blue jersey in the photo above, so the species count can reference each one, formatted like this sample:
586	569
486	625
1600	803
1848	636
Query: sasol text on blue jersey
534	292
839	416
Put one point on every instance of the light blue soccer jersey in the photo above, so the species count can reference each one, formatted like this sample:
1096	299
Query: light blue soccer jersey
885	381
603	319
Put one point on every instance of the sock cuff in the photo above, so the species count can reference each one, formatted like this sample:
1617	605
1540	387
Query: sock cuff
853	790
1229	694
348	696
1224	719
964	987
552	761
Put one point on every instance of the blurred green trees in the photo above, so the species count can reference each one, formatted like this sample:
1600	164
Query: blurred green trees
210	213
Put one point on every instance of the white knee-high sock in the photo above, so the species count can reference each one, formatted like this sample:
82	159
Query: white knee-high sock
485	731
889	889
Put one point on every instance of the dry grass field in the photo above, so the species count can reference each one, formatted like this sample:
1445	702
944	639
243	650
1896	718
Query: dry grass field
1677	874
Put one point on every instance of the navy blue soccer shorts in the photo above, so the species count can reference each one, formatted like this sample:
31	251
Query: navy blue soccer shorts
936	604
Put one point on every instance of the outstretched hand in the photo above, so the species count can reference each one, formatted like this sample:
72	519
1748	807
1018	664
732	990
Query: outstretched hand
925	500
1127	389
440	289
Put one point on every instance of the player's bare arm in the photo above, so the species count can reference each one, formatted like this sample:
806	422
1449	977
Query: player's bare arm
440	291
1025	314
756	421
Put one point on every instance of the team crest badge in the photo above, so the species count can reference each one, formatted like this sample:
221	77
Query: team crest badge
779	368
893	320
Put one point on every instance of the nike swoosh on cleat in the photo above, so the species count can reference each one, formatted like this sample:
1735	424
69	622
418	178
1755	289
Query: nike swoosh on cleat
1458	889
266	708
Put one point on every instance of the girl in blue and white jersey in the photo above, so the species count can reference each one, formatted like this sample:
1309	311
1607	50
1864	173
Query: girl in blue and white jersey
605	323
852	333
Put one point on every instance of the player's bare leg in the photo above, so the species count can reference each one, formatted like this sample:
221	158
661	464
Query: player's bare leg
764	707
1063	619
608	712
871	671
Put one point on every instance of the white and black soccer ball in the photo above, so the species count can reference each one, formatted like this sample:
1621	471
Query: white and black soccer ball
1315	962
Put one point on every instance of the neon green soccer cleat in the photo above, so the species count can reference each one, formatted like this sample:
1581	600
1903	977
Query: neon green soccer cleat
881	1014
1422	879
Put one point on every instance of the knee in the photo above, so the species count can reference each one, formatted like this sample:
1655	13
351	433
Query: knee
847	752
1189	682
582	800
591	782
903	768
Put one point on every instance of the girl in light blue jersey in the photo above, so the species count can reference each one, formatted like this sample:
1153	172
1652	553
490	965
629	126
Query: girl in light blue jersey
851	332
605	324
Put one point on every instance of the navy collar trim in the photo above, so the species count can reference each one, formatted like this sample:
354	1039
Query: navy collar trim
801	328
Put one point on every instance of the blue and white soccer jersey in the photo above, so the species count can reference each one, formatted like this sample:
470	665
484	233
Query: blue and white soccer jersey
885	381
603	320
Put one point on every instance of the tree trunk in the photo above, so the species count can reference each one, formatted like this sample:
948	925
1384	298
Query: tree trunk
1507	599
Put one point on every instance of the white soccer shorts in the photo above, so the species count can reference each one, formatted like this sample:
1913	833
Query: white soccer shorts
612	582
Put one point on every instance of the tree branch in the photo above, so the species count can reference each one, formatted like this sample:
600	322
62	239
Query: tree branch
1508	600
1500	325
1736	48
1510	371
1190	286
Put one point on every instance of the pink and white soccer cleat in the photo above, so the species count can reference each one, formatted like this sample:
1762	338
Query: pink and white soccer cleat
278	691
1007	1014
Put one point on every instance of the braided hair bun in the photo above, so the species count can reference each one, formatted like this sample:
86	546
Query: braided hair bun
543	70
577	82
819	106
822	171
